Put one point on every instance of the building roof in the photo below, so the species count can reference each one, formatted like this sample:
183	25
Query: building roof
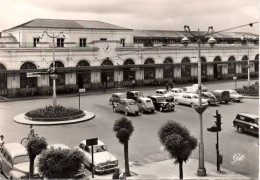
68	24
180	34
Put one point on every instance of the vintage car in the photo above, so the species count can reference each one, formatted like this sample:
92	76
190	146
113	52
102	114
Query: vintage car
134	95
190	99
115	98
235	97
194	88
176	91
222	95
104	161
145	104
211	98
127	106
14	161
246	122
167	94
161	104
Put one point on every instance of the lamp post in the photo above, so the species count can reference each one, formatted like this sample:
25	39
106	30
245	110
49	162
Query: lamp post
185	41
246	39
53	72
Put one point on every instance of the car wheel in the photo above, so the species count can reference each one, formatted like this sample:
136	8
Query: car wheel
177	101
240	129
152	111
142	112
192	105
226	102
126	113
160	109
136	113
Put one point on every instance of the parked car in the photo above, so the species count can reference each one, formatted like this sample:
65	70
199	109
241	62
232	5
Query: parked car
127	106
14	162
176	91
222	95
161	104
234	96
104	161
194	88
134	95
246	122
210	97
145	104
167	94
116	97
81	171
190	99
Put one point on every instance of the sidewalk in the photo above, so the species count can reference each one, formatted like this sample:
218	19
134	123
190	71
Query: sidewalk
168	170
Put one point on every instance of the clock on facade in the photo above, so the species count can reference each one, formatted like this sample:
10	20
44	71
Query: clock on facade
107	48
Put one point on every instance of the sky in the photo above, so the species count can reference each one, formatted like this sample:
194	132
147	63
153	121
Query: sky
138	14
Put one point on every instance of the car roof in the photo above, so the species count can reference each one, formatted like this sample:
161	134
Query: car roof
144	98
15	149
134	91
118	93
190	93
99	142
249	115
160	90
127	100
57	146
177	89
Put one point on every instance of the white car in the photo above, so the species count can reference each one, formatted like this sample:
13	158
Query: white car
194	88
190	99
103	160
176	91
234	96
14	162
167	94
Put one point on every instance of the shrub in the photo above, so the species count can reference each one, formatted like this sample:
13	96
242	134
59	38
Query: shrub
53	112
249	90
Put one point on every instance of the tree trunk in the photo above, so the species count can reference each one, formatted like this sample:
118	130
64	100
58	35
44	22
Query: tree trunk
127	171
31	167
180	169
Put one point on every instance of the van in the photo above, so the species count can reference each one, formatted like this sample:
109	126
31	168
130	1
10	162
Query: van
246	122
222	95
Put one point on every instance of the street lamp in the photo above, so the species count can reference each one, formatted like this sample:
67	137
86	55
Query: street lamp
246	39
53	72
185	41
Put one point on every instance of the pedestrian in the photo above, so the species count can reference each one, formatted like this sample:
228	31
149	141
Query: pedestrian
167	86
116	174
133	83
2	141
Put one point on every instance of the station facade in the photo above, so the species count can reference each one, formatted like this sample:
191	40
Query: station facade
95	55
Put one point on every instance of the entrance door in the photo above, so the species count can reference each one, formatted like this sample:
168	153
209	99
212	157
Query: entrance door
107	78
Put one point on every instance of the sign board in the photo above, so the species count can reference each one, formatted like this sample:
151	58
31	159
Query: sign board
92	142
234	78
82	90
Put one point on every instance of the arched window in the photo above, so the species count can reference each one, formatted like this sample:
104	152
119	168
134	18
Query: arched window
149	72
83	77
244	64
24	80
168	68
185	67
128	74
3	78
129	62
203	66
231	65
60	81
217	68
107	63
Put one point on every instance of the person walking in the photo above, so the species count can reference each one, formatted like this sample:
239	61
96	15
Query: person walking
2	141
116	174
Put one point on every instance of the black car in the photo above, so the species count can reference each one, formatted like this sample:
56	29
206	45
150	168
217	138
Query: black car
134	95
161	104
246	122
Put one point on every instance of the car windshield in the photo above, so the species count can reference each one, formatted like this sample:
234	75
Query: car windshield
139	94
233	92
21	159
132	103
148	101
101	148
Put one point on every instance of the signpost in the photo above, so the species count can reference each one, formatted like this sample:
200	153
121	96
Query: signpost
81	91
92	142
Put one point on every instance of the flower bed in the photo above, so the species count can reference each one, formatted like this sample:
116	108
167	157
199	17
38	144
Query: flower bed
249	90
50	113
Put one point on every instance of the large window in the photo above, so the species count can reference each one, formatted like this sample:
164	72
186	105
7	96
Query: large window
203	67
149	72
128	74
185	67
27	81
82	42
107	75
168	68
231	65
60	42
83	77
60	81
244	64
3	78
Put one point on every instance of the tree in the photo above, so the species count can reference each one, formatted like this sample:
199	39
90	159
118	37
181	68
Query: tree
124	129
34	147
60	163
178	142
